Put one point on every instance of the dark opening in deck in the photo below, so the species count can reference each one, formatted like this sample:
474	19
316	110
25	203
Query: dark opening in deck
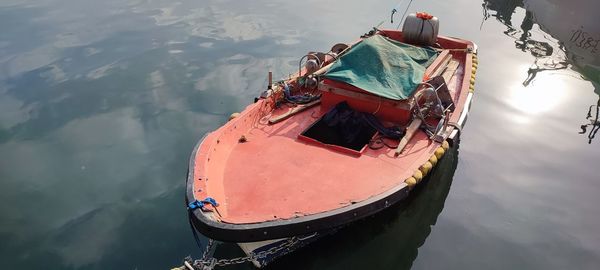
348	133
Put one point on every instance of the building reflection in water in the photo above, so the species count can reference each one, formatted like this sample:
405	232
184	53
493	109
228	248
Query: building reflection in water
594	124
545	56
577	43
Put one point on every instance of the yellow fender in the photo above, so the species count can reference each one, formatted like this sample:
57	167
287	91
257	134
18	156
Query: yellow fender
234	115
411	182
426	168
418	175
439	153
433	160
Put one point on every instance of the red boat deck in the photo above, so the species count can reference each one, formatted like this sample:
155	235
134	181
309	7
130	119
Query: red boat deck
273	172
273	175
283	173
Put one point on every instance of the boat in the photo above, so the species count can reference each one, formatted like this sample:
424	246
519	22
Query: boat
349	135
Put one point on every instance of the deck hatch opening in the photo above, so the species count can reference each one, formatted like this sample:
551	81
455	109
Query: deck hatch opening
342	126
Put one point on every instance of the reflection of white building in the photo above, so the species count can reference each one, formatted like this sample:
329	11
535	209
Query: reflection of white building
576	25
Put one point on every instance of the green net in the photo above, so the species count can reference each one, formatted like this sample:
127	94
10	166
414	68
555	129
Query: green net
382	66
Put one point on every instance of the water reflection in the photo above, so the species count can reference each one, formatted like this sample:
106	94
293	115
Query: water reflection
569	33
101	103
594	124
569	45
543	52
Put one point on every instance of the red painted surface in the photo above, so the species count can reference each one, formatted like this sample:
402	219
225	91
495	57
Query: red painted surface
276	175
385	109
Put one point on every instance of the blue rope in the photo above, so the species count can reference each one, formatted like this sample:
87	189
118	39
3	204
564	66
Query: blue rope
200	204
392	132
193	206
298	99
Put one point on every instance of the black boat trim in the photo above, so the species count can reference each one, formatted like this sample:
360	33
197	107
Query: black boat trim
268	230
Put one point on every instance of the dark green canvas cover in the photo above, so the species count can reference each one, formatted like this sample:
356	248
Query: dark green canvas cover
382	66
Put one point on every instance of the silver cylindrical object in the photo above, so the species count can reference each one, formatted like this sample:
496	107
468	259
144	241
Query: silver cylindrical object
420	29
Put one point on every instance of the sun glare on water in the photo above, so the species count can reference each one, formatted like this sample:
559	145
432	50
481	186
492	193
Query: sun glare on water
541	95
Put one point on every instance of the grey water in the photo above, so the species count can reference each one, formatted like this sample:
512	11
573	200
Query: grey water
101	103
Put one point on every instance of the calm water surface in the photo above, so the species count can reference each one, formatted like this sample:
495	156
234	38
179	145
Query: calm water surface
101	103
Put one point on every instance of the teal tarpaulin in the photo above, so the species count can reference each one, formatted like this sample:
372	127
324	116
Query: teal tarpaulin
382	66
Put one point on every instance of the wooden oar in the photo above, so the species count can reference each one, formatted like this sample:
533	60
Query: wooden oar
438	64
410	132
293	111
